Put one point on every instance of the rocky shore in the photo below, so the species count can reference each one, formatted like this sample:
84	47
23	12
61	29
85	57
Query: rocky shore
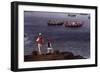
56	55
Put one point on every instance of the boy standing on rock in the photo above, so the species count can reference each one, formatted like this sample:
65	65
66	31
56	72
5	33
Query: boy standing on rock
49	49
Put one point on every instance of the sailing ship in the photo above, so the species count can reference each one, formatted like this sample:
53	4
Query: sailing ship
55	22
72	23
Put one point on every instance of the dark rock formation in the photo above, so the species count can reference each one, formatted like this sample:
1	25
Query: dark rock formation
56	55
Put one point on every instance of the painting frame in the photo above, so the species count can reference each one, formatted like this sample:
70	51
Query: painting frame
15	28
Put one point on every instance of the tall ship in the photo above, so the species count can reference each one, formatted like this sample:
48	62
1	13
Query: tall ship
73	24
55	22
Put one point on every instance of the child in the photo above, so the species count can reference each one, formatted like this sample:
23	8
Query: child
49	49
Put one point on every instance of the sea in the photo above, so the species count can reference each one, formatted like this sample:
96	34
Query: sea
75	40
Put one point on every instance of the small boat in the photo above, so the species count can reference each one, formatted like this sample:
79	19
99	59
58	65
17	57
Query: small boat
71	15
83	14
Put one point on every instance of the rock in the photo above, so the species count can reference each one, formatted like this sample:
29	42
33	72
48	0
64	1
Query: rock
57	55
34	53
56	52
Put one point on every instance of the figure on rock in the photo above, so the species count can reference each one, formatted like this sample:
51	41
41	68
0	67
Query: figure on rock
49	49
39	42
